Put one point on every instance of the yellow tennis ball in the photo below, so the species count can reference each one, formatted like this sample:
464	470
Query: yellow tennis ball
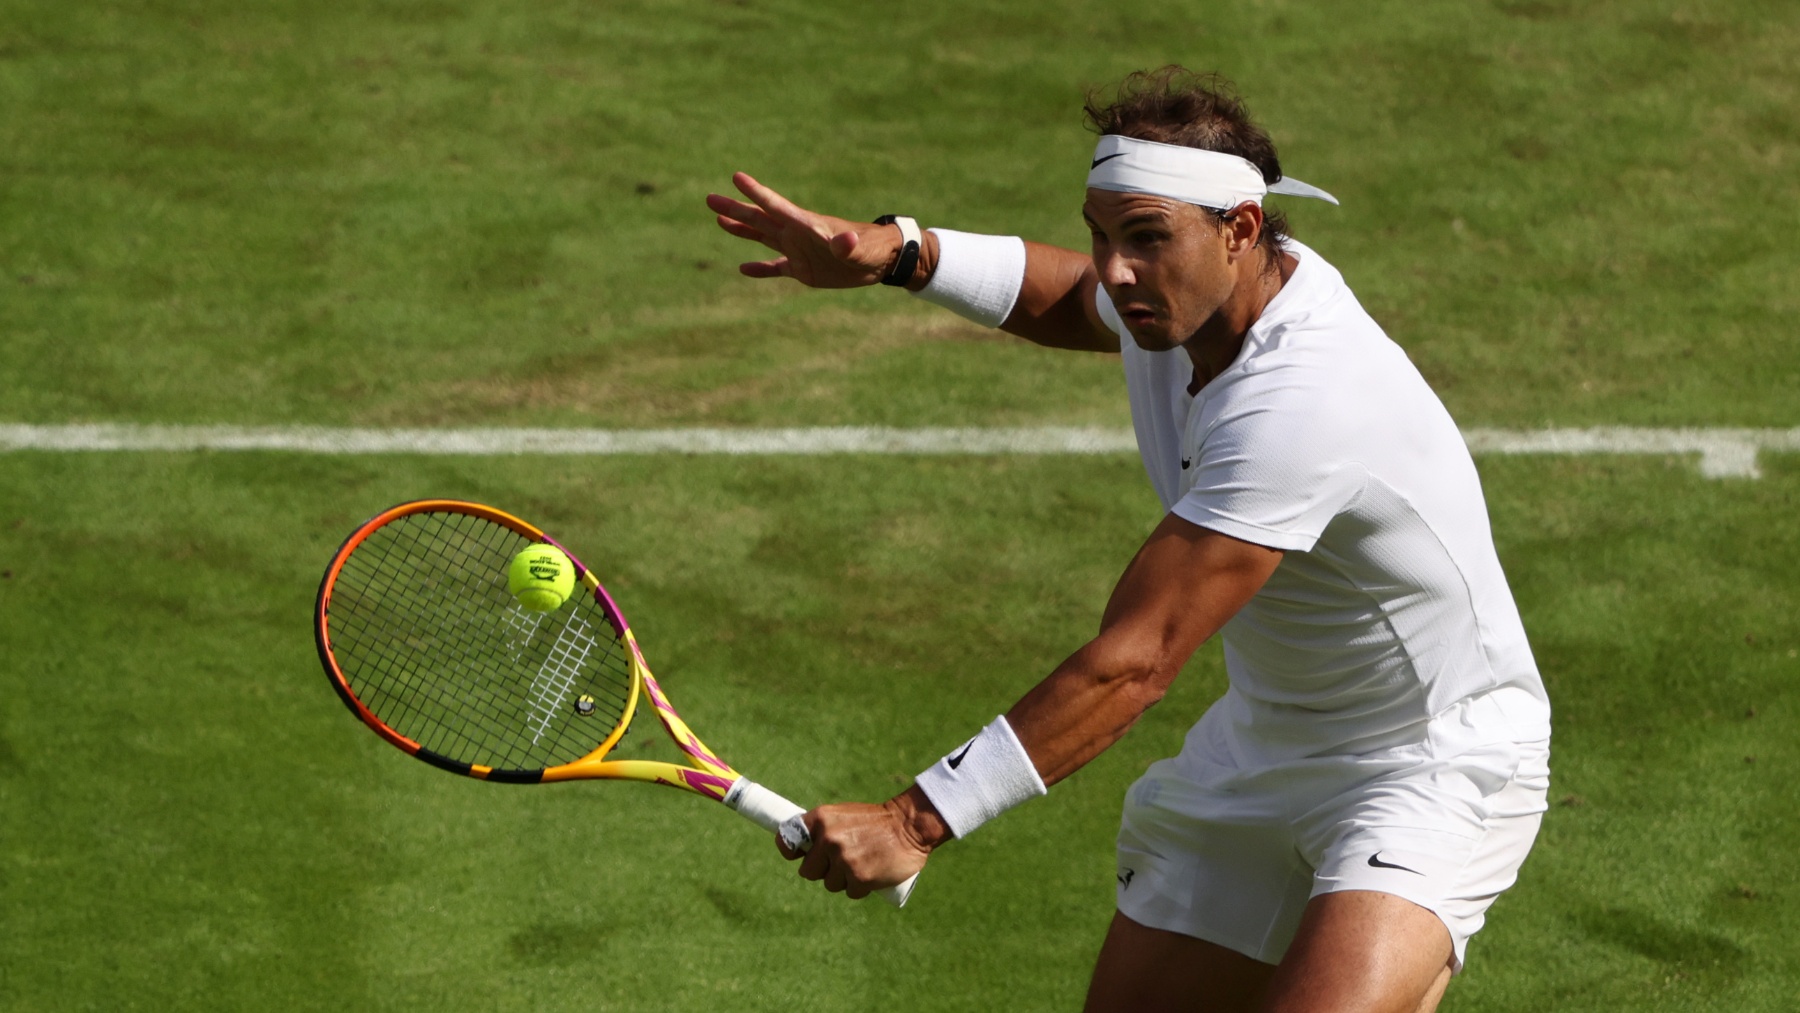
542	578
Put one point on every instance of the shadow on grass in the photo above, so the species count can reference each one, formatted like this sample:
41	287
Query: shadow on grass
558	944
1684	952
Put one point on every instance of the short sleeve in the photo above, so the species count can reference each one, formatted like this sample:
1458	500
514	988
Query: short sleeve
1274	470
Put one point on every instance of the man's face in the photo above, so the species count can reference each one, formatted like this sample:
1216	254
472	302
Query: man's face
1167	265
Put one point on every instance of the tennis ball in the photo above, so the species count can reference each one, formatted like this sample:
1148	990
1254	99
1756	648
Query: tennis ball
542	578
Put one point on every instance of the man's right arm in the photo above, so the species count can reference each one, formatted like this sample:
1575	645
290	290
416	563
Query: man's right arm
1184	584
1055	306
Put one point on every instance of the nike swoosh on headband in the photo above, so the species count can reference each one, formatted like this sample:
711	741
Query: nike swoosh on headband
1210	179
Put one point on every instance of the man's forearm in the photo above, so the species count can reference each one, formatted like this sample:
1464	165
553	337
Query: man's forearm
1055	296
1181	588
1055	300
1082	708
1085	706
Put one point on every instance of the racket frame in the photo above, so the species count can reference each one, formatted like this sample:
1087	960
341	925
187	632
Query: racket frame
709	777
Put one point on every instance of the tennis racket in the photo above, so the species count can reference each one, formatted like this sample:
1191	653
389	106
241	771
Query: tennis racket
423	642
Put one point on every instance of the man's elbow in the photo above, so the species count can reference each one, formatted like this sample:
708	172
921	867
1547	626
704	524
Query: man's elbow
1142	676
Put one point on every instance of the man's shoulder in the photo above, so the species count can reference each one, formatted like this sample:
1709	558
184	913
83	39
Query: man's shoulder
1316	299
1329	387
1317	345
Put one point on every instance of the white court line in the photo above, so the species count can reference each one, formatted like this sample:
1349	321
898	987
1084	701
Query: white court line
1724	453
319	440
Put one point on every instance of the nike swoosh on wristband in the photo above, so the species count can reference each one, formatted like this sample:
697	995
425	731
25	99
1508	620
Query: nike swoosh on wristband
956	761
1108	158
1376	862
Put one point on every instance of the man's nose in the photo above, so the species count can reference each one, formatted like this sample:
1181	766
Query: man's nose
1115	272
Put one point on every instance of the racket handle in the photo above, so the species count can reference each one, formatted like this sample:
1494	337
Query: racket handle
784	819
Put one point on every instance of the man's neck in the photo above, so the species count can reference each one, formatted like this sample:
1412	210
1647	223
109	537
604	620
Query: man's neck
1215	346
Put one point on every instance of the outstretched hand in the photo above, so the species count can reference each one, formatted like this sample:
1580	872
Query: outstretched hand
816	250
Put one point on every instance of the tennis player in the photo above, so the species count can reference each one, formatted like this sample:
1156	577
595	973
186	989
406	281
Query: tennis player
1337	824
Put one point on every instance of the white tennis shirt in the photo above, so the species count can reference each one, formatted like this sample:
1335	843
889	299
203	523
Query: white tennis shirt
1389	608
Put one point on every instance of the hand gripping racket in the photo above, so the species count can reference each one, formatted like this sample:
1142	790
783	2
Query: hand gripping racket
423	642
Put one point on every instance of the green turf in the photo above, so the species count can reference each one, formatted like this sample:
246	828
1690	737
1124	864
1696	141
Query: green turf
432	212
194	822
418	212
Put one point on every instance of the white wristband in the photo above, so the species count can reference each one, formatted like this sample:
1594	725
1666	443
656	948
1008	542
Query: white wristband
988	775
976	276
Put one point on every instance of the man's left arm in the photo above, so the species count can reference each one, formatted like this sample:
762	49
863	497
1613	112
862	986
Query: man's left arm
1184	584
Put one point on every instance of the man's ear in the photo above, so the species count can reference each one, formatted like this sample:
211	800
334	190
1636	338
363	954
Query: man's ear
1243	227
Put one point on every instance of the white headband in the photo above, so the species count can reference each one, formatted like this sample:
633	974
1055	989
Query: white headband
1211	179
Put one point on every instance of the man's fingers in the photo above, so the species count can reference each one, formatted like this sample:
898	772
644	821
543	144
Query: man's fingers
765	268
746	215
815	865
767	199
742	231
786	852
739	229
725	205
737	210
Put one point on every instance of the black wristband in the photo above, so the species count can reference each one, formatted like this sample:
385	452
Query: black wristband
909	250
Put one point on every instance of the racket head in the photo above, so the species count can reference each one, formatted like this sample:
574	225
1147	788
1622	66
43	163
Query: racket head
421	639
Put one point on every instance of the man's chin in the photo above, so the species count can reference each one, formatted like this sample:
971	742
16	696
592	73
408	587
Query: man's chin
1152	337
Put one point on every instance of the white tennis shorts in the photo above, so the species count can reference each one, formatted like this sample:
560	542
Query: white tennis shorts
1232	855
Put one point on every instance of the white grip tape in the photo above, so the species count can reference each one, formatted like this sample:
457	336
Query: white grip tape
786	820
976	276
990	774
763	807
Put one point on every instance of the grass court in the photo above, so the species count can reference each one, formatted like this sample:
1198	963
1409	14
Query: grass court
470	213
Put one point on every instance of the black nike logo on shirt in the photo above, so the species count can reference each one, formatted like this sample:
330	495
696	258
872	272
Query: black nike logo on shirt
1376	862
956	761
1108	158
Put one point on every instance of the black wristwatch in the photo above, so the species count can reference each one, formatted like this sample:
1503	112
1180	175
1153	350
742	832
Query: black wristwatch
909	250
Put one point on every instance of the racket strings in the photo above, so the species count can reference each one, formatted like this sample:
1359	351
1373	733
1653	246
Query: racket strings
472	708
429	639
480	695
485	700
386	577
414	692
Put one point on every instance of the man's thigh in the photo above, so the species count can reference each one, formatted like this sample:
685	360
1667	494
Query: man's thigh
1356	952
1359	951
1146	970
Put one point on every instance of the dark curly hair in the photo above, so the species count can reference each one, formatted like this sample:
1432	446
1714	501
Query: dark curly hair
1174	105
